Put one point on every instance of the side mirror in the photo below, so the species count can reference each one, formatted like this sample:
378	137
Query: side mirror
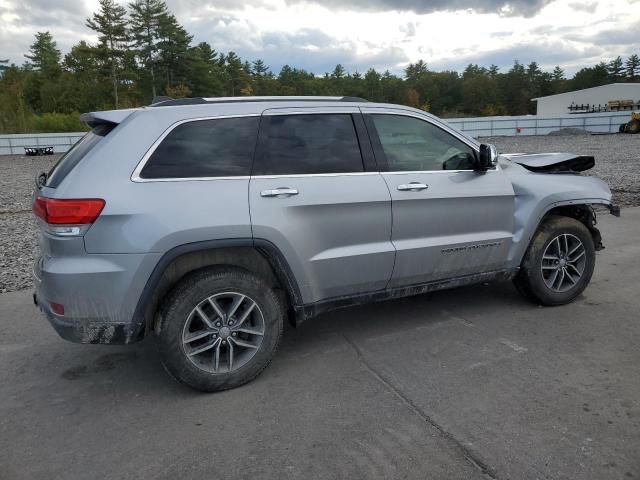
488	157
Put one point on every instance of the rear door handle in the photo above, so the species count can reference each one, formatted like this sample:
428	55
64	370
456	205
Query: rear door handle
279	192
412	187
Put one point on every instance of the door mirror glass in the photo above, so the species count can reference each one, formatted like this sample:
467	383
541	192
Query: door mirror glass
488	157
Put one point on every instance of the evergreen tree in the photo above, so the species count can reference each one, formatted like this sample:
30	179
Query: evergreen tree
632	67
173	50
590	77
235	74
261	77
414	70
616	69
110	25
83	87
205	74
373	88
558	80
146	17
44	54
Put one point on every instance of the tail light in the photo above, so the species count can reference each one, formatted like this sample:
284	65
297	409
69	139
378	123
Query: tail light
70	214
57	308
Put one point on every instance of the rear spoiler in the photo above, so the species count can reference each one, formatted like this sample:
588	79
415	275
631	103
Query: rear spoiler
108	116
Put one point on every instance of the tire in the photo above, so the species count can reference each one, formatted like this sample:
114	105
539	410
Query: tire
189	313
633	126
536	276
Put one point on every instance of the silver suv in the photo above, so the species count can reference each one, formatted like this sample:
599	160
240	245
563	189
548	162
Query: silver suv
208	221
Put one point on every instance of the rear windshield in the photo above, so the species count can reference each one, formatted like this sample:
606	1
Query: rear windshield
70	159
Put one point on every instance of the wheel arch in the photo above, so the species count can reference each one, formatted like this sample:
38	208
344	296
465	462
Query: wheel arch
583	212
259	257
580	210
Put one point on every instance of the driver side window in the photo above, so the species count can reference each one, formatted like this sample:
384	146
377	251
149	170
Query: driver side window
411	144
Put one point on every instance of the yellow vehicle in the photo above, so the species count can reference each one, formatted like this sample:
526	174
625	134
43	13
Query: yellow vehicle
633	126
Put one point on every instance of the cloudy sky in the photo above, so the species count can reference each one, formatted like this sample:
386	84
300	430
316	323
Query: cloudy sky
385	34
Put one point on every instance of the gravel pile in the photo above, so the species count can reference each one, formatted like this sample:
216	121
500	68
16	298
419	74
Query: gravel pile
617	162
569	131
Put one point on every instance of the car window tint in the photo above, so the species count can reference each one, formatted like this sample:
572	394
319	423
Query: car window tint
205	148
75	154
308	144
411	144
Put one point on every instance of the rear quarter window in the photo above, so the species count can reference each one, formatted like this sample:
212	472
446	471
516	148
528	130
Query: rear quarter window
69	160
220	147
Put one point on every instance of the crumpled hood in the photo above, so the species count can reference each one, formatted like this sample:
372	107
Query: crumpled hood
552	162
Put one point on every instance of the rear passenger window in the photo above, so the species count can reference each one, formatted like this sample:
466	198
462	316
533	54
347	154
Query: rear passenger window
308	144
221	147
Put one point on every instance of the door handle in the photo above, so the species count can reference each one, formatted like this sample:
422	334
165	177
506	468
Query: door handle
412	187
279	192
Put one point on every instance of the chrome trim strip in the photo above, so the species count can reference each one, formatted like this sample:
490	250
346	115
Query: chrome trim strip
189	179
291	98
304	175
309	110
434	171
135	176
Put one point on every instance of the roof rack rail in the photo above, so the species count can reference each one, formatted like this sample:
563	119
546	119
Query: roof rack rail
169	102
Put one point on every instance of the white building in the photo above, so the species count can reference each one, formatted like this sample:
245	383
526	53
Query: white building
591	99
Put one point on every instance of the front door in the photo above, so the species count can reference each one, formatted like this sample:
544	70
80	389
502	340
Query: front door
448	220
311	197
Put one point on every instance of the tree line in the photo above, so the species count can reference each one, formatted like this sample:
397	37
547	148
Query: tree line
143	51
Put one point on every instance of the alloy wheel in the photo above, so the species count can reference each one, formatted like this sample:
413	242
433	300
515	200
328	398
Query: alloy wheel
563	262
223	332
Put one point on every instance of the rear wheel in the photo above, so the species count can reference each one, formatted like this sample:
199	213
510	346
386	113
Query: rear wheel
559	262
220	329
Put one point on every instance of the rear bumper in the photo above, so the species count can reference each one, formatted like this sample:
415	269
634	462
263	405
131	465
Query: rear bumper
86	331
99	294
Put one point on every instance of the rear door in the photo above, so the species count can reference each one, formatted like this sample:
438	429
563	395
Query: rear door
448	220
312	197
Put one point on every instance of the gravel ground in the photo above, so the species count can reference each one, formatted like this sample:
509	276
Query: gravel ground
617	162
18	238
617	158
17	174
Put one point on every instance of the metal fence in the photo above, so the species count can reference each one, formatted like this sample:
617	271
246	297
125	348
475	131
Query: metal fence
15	144
476	127
533	125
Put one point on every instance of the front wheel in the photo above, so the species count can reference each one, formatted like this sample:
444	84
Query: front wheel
220	329
559	262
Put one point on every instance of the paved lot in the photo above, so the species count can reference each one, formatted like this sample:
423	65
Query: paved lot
469	383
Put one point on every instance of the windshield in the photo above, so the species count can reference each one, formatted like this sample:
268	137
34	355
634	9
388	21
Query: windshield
73	156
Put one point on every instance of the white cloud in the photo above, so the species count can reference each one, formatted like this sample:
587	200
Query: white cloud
315	34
